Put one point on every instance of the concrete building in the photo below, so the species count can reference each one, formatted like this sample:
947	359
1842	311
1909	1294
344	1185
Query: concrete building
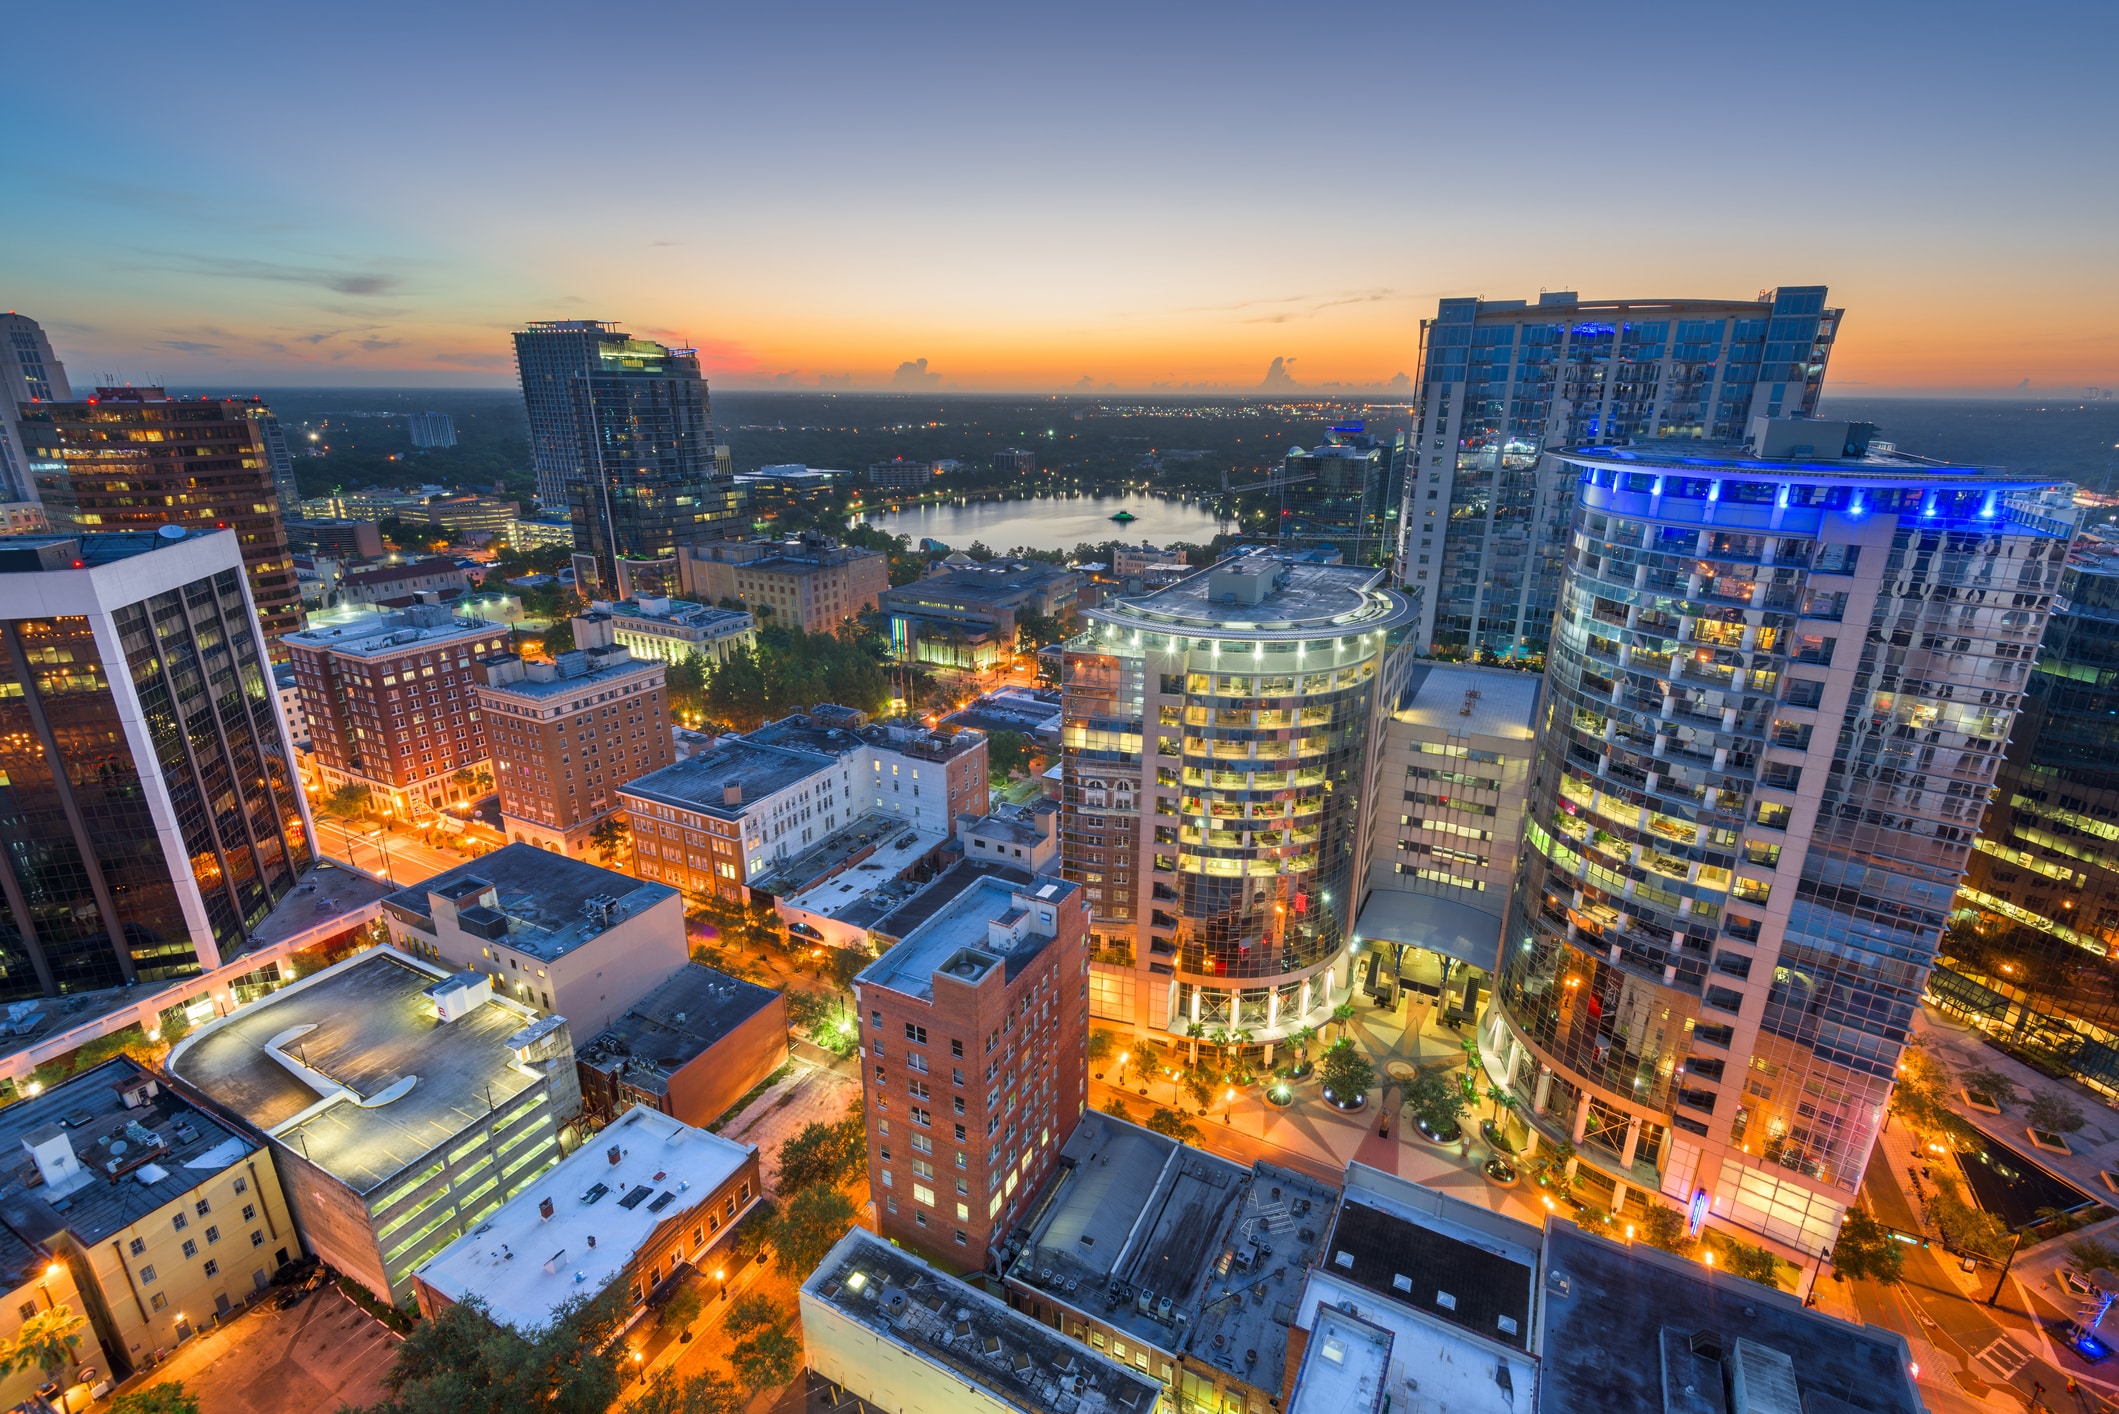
392	703
1504	384
811	582
163	1219
981	1000
690	1048
138	459
567	734
1627	1329
1019	836
898	474
554	935
23	518
288	694
1444	818
138	853
1139	1244
899	1335
387	583
1219	736
402	1104
672	630
675	1193
964	614
1014	461
279	457
539	534
429	430
32	1282
917	777
1032	712
470	518
1782	676
342	539
29	373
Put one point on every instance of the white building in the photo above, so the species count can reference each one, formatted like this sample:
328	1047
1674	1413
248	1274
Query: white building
676	629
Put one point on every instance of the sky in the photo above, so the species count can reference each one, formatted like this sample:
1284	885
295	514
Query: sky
1133	197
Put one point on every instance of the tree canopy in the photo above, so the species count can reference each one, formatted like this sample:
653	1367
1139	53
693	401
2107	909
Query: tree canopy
462	1362
809	1227
791	671
1868	1249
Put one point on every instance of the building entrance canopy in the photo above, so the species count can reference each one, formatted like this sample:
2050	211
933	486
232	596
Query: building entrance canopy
1440	925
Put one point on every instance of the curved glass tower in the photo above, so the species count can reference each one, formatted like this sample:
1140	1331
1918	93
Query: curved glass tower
1217	743
1780	683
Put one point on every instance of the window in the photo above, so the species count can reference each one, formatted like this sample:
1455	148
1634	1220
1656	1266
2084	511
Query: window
1803	692
213	1235
1771	815
961	1240
213	1268
257	1239
916	1034
203	1207
139	1245
250	1213
179	1221
191	1247
956	1047
159	1301
147	1274
921	1193
26	1310
1837	559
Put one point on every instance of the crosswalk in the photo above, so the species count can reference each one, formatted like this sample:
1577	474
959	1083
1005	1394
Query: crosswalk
2005	1357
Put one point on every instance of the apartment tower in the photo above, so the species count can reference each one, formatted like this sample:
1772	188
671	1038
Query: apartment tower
29	373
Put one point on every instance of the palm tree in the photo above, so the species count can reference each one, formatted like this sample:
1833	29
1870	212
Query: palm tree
46	1340
1343	1013
1301	1039
1193	1033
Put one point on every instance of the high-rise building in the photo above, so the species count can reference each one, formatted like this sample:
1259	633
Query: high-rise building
136	458
1503	384
1782	677
278	456
1345	494
1218	743
430	429
649	481
550	354
2037	967
29	373
974	1035
566	735
899	474
148	799
392	703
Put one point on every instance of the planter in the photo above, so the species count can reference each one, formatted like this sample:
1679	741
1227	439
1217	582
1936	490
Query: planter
1279	1096
1982	1103
2048	1140
1500	1172
1453	1135
1495	1139
1348	1106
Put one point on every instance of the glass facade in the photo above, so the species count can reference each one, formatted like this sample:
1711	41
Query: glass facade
1775	703
1487	510
1346	495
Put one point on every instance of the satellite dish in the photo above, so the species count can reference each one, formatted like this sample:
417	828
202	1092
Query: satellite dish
171	532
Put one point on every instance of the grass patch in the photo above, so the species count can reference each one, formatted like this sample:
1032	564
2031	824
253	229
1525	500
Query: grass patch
750	1095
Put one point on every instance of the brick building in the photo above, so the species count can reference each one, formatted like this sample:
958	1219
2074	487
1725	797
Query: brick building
811	582
567	734
391	704
388	583
691	1048
974	1030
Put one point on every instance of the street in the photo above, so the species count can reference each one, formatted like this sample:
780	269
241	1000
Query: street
402	859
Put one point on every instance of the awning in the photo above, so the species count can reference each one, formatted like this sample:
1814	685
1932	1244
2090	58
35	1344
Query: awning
1440	925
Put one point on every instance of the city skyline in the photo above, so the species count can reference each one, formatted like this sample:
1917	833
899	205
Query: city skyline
1134	207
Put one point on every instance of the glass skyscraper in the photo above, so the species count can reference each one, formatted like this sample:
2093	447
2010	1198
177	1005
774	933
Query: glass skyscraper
1345	494
1781	679
29	373
550	354
150	815
1505	384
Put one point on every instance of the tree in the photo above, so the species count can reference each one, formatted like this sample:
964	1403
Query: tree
684	682
1920	1097
2054	1112
1868	1250
751	1311
1549	1166
766	1360
46	1341
1965	1228
823	1154
1986	1081
464	779
1302	1038
1116	1106
1343	1013
1007	755
2087	1254
1170	1122
613	838
811	1224
1435	1097
348	802
1751	1263
701	1394
169	1397
681	1309
558	637
461	1361
1100	1044
1347	1072
1666	1228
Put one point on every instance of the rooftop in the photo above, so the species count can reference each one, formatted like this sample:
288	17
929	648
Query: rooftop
856	860
1025	710
313	1063
1346	1366
379	635
666	614
674	1024
1176	1246
1489	702
1609	1306
1430	1364
1415	1246
1293	598
1449	926
702	781
574	670
544	905
970	1336
325	890
413	569
966	921
1028	824
132	1161
34	554
605	1199
1689	457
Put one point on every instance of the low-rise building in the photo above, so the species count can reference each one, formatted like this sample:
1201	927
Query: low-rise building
710	824
555	935
974	1027
648	1197
162	1218
919	777
565	735
289	694
33	1281
23	518
810	582
384	583
673	630
1032	712
898	1335
338	538
525	535
965	614
690	1048
1020	836
1139	1245
900	474
402	1103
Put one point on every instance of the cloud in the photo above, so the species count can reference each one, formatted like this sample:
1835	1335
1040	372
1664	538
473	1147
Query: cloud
345	282
913	374
376	345
190	346
472	360
1399	382
1085	381
834	380
1279	377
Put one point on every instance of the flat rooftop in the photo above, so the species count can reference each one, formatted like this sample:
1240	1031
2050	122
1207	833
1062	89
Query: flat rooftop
1177	1246
1013	824
967	1335
378	635
545	898
893	849
959	924
1346	1365
1608	1305
522	1264
133	1161
675	1024
1407	1246
606	667
1313	600
700	782
1687	457
1489	702
681	616
36	554
359	1028
1429	1364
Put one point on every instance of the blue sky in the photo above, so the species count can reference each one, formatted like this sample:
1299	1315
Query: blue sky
1135	196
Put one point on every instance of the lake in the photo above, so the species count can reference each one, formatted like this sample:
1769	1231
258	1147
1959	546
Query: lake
1052	522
